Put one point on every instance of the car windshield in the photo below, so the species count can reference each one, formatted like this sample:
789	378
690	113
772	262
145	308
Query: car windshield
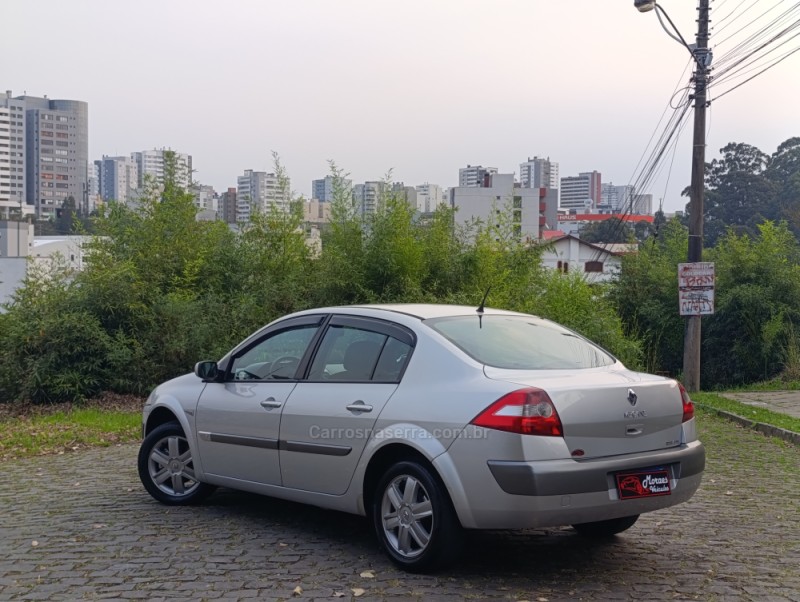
520	343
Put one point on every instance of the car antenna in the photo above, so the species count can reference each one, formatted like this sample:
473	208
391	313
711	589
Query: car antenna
481	306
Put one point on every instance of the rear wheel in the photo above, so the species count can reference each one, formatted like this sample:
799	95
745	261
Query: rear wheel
606	528
414	519
166	467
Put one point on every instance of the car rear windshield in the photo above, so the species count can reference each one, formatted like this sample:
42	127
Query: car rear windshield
520	343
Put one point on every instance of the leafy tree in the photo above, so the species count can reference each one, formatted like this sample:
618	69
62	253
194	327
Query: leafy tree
758	288
738	195
646	297
783	172
612	230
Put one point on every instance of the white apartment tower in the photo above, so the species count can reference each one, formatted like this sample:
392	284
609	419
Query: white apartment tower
323	189
259	191
118	179
539	173
617	199
581	193
429	197
13	199
475	175
368	196
533	210
150	165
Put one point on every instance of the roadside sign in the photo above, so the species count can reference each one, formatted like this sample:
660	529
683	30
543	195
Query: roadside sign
696	288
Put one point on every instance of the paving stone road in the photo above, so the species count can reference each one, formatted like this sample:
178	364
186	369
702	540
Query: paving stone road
80	526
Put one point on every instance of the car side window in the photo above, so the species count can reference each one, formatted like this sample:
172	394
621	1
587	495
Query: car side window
392	362
349	354
275	357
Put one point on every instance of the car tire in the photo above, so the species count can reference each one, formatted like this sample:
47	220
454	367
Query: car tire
166	467
414	519
606	528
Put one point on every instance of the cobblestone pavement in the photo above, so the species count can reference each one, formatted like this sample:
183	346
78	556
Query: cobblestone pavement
785	402
80	526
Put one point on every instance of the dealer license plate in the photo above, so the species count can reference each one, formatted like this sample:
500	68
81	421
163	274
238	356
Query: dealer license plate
643	483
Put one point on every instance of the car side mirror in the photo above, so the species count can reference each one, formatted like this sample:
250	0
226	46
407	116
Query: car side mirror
206	370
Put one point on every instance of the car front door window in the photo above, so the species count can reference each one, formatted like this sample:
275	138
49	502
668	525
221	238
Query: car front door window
274	358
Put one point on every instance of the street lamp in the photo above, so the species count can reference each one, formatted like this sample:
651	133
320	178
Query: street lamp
702	59
644	6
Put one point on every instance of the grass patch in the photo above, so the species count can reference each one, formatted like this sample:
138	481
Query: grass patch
750	412
776	384
66	431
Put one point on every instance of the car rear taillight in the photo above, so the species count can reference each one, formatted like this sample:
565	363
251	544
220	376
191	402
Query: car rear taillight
527	411
688	406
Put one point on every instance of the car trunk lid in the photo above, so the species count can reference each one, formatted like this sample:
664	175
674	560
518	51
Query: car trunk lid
606	412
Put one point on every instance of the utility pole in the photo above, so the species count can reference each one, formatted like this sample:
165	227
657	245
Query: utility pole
691	341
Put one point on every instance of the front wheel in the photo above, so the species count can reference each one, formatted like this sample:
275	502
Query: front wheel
414	519
606	528
166	467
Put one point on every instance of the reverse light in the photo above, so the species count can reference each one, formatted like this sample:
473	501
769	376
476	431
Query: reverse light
688	406
528	411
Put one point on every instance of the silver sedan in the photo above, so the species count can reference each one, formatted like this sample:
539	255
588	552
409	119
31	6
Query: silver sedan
427	419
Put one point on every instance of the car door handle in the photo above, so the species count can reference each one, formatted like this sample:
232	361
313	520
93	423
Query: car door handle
270	403
359	406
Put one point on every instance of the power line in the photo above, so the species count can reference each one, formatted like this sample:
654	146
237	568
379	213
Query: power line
752	65
730	14
786	56
766	12
746	44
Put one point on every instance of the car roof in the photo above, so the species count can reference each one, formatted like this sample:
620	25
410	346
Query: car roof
424	311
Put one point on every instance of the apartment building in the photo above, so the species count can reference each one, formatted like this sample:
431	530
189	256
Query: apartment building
259	191
473	176
48	142
13	195
324	188
429	197
150	165
118	178
581	193
369	195
533	210
539	173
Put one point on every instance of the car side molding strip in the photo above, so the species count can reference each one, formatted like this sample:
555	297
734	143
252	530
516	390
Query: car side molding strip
239	440
294	446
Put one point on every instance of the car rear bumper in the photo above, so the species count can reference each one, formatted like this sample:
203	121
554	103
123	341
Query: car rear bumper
516	495
560	477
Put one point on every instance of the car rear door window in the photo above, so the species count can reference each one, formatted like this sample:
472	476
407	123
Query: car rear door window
352	353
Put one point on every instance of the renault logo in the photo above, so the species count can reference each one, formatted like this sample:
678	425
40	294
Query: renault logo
632	397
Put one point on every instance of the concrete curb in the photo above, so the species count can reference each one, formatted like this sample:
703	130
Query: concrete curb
765	429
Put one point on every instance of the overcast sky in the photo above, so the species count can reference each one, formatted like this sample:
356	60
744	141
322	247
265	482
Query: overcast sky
421	87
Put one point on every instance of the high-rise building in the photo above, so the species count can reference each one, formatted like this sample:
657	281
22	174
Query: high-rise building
259	191
93	198
539	173
533	210
368	196
429	197
624	199
13	197
581	192
53	137
643	204
118	179
323	190
616	199
227	206
150	165
205	197
474	175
